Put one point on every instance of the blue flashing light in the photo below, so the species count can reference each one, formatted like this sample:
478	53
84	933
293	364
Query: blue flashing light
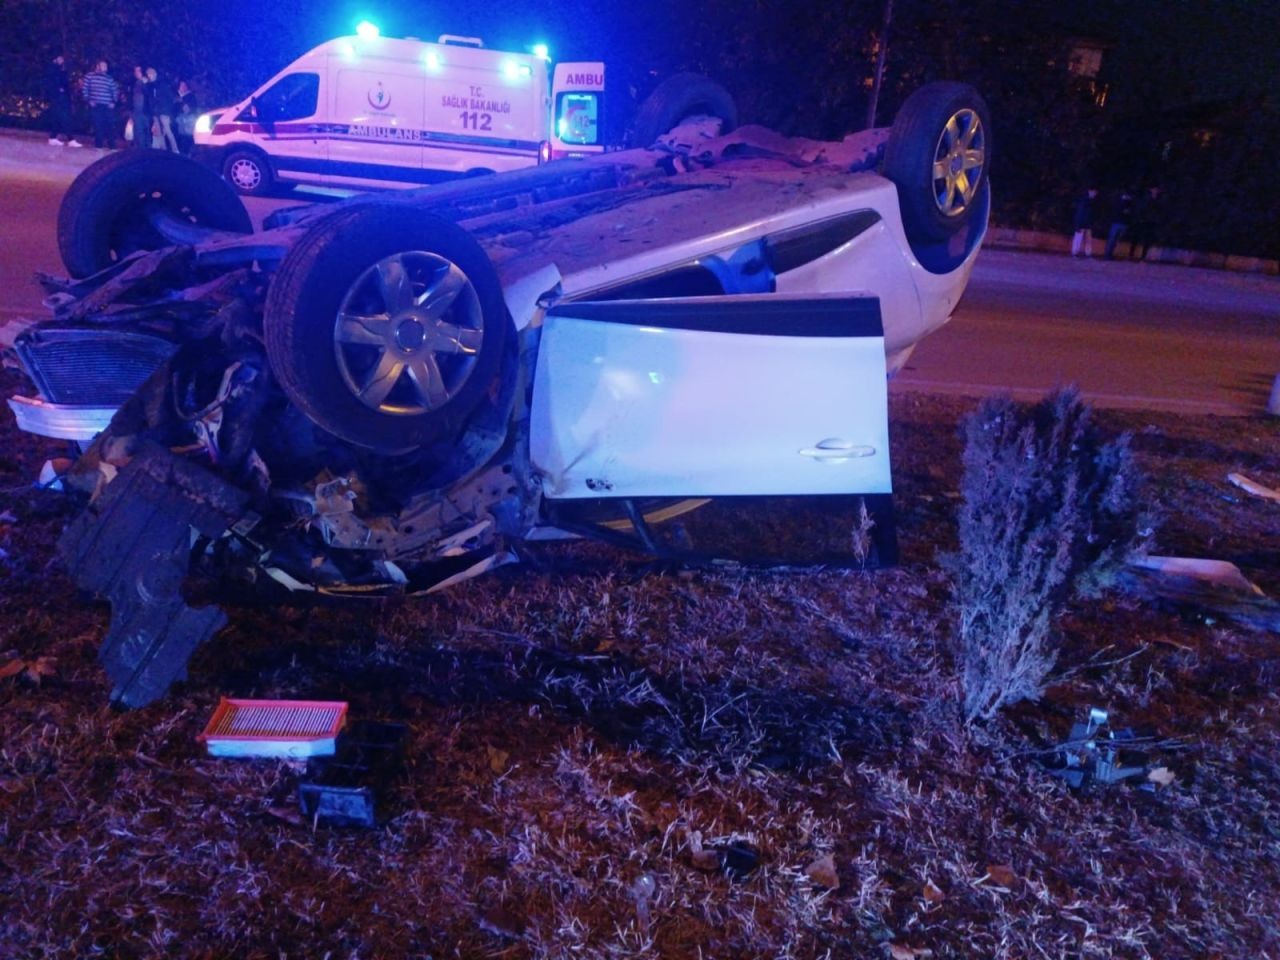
432	60
510	69
541	52
348	50
367	30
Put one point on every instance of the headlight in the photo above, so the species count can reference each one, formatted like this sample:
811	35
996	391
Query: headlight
205	123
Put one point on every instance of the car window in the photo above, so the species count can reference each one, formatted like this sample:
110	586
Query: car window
800	245
292	97
686	281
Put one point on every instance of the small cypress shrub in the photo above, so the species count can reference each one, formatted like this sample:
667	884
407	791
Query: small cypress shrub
1047	509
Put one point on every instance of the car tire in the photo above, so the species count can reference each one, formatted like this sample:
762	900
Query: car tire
248	172
355	341
677	98
102	218
940	137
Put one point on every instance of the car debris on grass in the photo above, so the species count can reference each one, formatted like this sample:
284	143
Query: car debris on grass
1095	752
1251	486
805	713
1214	588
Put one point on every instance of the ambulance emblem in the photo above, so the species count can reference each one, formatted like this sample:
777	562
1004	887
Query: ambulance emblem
379	99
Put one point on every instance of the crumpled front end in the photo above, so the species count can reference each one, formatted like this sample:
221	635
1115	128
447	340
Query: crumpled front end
205	485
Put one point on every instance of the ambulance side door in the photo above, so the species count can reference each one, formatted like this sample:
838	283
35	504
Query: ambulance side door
376	121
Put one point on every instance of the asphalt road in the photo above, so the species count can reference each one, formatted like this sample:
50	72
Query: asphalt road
1131	335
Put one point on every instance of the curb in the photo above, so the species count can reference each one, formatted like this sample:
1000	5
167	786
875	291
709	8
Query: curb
1012	238
29	147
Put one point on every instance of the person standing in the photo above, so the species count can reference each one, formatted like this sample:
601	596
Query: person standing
141	109
1146	219
186	113
58	90
100	91
1082	223
163	96
1121	217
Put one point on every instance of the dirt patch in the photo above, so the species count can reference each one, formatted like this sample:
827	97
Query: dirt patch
583	725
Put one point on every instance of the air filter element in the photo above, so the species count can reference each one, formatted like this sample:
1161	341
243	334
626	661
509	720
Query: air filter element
274	728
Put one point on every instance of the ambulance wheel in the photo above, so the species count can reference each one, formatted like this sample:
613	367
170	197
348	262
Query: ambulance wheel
249	172
106	213
938	154
677	98
386	326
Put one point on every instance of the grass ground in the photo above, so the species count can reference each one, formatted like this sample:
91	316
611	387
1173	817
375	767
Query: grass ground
589	734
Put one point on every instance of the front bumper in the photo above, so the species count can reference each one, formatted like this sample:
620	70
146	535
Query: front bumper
61	421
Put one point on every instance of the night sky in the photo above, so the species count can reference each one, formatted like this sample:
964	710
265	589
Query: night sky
1215	48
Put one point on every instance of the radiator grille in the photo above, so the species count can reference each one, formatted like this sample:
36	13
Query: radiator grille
90	366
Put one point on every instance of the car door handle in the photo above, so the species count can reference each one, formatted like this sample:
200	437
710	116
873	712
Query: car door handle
835	450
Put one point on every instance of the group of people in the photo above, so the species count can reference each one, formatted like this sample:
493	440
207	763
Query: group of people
1132	215
161	114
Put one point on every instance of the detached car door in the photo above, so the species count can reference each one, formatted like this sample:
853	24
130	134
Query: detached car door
711	396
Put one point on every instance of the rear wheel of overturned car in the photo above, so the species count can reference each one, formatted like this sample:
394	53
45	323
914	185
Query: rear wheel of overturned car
938	153
386	326
249	172
678	98
112	208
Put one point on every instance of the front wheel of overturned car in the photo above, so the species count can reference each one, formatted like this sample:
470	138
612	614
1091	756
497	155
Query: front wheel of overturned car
938	153
678	98
386	326
115	207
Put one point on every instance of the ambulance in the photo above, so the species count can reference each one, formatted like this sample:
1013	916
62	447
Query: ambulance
370	111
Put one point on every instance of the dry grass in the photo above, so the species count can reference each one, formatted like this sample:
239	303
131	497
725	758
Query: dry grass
581	726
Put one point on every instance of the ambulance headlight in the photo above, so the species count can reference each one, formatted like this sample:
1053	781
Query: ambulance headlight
205	122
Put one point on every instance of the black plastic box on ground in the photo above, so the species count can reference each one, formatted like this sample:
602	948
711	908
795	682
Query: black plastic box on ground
348	789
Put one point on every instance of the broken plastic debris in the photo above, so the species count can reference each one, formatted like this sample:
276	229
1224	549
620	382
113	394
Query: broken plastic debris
347	789
52	472
290	582
1254	487
736	859
1221	573
643	890
274	728
1209	587
1096	752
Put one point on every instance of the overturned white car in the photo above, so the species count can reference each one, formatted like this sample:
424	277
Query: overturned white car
388	394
